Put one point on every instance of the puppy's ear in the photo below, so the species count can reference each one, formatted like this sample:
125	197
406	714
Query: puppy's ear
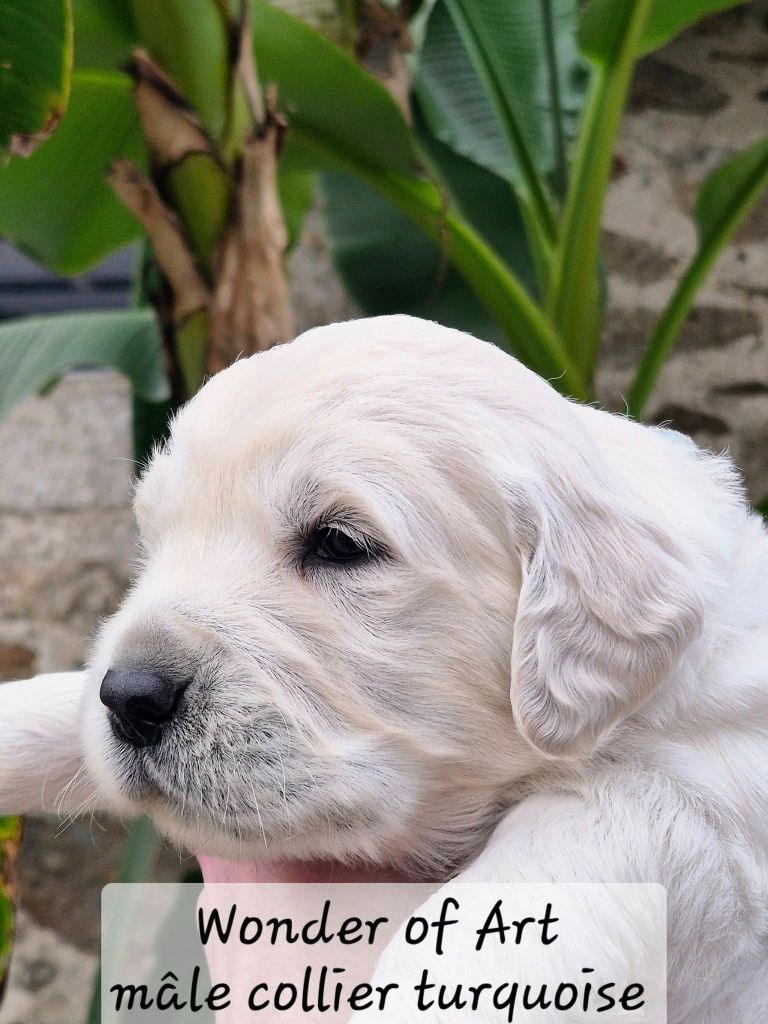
608	603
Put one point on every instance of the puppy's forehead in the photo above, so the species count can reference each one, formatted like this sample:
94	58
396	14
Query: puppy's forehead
324	367
364	366
386	390
261	413
330	402
326	375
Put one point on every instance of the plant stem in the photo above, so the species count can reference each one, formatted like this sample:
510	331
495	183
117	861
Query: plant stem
679	305
573	291
347	11
666	331
531	335
191	342
555	100
531	189
540	248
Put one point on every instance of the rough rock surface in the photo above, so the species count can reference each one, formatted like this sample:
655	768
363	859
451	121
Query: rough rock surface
697	102
66	540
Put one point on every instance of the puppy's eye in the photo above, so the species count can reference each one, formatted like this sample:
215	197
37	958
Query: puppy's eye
335	545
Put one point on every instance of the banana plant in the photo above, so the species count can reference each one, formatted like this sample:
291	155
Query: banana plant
478	201
35	72
515	109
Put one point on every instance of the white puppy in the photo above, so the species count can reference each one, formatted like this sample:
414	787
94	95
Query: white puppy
402	604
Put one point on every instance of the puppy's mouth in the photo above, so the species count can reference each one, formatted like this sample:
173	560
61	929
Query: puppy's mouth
228	851
281	829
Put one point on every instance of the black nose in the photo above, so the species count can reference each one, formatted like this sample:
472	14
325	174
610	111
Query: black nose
142	702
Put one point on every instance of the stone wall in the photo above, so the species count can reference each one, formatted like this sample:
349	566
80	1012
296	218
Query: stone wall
66	540
65	521
697	102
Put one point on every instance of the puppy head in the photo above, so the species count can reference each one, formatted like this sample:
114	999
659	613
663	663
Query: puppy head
347	542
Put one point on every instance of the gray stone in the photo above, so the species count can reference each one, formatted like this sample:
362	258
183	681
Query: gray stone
64	563
659	85
694	422
70	449
17	661
318	296
634	259
742	388
628	331
751	58
755	227
35	975
63	998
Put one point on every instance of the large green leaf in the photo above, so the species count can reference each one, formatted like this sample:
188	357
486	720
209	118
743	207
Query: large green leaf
725	199
729	192
668	17
36	351
329	99
602	25
525	331
485	200
56	206
388	265
514	51
104	34
453	99
456	102
296	192
340	116
35	69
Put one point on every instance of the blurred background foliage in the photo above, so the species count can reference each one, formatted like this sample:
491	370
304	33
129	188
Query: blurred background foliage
462	150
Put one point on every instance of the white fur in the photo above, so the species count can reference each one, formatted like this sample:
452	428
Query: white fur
41	759
365	714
